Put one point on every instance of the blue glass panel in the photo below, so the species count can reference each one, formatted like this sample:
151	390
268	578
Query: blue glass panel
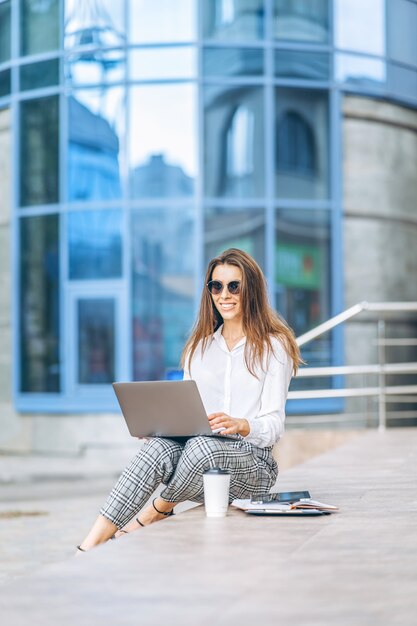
360	26
296	64
39	26
5	83
39	304
161	21
302	275
402	81
163	261
94	25
95	244
234	228
38	75
163	63
301	20
234	142
233	20
302	144
96	128
95	67
233	61
402	31
163	159
96	341
5	34
39	151
361	71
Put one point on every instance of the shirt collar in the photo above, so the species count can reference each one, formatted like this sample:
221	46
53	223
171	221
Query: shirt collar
218	337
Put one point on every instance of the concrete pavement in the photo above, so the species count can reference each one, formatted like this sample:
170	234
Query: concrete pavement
355	567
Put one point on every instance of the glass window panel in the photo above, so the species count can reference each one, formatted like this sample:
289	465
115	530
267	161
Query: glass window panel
233	61
39	26
301	20
96	131
302	275
162	21
360	25
302	144
5	34
39	304
39	151
95	244
233	20
402	29
163	63
234	228
162	289
94	25
38	75
5	83
102	66
234	142
163	160
402	81
361	71
296	64
96	341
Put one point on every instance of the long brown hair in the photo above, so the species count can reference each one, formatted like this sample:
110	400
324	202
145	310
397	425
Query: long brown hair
260	321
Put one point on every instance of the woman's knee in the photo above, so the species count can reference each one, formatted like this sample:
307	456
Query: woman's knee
201	452
161	447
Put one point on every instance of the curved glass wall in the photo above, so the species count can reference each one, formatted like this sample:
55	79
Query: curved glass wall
153	135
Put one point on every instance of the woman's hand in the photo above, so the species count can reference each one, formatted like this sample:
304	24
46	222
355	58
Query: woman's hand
231	425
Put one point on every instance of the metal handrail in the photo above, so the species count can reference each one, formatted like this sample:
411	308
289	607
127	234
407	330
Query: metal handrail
374	307
381	369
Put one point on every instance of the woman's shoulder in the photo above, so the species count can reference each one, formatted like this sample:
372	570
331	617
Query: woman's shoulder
279	349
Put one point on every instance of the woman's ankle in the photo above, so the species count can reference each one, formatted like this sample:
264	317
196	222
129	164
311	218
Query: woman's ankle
162	506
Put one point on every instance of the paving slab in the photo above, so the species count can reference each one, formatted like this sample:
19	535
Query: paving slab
354	568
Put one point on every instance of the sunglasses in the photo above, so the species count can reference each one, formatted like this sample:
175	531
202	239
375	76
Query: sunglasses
216	287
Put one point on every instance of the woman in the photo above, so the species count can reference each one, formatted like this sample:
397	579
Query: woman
242	356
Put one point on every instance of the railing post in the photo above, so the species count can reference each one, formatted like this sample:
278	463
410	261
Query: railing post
382	406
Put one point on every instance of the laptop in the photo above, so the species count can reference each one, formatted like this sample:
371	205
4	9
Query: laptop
171	408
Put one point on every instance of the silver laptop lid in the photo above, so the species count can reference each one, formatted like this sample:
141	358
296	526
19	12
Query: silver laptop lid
163	408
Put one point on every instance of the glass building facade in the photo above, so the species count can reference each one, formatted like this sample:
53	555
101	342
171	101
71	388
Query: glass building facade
149	135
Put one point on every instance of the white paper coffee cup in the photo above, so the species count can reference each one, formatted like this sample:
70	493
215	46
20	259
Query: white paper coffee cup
216	491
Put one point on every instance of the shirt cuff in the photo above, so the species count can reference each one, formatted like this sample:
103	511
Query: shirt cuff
254	436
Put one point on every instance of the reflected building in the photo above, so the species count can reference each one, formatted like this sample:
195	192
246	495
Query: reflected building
158	179
149	137
93	156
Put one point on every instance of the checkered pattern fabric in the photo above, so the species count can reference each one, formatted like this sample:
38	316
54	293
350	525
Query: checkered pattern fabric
180	466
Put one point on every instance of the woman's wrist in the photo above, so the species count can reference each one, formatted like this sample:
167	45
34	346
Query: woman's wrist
244	428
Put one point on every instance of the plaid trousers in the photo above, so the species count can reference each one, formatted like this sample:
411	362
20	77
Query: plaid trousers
180	467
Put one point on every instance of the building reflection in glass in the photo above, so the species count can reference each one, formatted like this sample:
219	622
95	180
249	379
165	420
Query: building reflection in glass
234	145
162	289
95	119
95	244
92	24
163	159
234	228
301	20
302	145
230	20
302	274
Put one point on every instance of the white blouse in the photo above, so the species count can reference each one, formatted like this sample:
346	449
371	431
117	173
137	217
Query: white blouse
225	384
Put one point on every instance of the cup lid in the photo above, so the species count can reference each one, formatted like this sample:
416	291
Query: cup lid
216	470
